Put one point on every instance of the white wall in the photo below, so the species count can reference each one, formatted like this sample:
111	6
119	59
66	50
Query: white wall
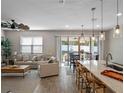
49	41
114	46
2	33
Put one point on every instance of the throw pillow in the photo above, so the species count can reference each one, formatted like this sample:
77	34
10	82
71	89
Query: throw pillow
42	58
34	58
53	58
45	57
38	58
50	61
19	57
25	58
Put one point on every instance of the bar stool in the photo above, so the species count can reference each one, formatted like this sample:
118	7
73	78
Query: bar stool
97	84
83	75
77	72
79	78
92	84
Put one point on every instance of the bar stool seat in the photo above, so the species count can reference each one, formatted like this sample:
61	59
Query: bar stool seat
92	82
79	77
86	80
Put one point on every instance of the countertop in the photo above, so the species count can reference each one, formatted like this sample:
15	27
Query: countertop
96	67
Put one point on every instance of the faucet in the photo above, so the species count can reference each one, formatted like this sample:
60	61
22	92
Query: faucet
107	58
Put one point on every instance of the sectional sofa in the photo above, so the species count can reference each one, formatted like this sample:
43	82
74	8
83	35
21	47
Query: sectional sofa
33	60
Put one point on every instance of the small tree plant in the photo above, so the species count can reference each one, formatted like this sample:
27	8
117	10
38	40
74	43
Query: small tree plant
5	47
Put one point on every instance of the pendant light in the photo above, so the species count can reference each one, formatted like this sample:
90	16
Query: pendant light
82	35
93	19
102	34
61	1
117	28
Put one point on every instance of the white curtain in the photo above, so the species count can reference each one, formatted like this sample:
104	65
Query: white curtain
58	48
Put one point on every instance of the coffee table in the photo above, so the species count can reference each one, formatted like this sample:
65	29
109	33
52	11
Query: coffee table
15	70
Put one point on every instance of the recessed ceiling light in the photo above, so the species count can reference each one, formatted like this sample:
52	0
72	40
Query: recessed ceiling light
119	14
98	26
67	26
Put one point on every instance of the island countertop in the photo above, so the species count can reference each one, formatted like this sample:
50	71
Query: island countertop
96	67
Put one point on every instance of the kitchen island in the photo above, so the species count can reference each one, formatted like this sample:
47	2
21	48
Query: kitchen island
96	67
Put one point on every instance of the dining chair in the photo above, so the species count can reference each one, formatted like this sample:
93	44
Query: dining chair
73	60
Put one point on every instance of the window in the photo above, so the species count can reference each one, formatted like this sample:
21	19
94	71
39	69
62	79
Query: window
31	44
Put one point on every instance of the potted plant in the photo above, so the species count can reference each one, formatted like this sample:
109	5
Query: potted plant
5	49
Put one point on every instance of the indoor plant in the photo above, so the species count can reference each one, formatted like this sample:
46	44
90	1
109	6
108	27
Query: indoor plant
5	49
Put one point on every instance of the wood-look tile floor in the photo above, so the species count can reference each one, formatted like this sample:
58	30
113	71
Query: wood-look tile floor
64	83
32	83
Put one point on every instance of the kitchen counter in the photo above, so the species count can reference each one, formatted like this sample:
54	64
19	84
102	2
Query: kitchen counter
96	67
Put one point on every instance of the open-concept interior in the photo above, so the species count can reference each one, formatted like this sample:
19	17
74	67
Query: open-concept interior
61	46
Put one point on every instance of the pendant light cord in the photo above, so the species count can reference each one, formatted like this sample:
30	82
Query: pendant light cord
83	33
117	12
93	19
101	16
93	23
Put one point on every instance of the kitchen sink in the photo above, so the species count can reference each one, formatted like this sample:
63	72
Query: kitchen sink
115	67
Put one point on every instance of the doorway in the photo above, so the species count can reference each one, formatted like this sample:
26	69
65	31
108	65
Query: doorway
85	47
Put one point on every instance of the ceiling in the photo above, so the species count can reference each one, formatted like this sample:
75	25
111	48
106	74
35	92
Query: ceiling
50	14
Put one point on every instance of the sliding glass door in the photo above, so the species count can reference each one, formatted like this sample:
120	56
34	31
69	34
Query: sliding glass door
85	47
95	49
89	49
73	44
64	49
85	52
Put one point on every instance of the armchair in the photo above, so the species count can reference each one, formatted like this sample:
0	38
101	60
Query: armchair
48	69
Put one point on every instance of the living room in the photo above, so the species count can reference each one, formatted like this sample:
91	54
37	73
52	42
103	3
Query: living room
45	44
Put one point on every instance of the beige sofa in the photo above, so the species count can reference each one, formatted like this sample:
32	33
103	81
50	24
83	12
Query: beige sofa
32	60
46	69
33	65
